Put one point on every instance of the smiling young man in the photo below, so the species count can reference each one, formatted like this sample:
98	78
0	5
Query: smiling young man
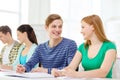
56	53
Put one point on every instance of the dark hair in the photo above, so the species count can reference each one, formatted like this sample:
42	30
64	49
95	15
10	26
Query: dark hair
5	29
30	32
51	18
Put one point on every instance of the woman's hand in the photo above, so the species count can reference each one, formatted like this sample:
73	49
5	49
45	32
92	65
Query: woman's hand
69	73
56	72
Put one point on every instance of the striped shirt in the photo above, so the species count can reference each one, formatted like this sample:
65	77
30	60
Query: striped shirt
56	57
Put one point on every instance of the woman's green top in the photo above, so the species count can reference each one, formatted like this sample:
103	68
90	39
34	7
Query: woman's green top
96	62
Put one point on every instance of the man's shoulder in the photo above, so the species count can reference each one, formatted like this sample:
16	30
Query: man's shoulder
68	40
17	44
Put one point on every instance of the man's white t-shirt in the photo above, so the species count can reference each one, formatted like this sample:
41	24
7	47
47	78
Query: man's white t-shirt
5	58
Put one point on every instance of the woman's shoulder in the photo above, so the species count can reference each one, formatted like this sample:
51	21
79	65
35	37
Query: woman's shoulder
82	44
109	44
22	46
34	45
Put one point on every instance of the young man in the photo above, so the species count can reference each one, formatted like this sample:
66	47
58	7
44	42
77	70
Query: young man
10	50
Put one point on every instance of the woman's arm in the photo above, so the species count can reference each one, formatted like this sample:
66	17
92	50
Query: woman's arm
101	72
73	65
75	61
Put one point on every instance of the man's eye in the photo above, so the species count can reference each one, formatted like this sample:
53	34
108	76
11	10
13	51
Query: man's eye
60	26
53	26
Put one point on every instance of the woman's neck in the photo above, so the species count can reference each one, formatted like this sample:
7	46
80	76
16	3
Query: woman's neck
95	41
28	44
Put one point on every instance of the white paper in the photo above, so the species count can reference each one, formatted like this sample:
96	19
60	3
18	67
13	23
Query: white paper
31	75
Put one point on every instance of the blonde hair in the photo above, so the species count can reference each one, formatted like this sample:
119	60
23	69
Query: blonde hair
98	26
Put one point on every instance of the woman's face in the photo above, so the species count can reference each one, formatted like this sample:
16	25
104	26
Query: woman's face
20	36
55	29
87	30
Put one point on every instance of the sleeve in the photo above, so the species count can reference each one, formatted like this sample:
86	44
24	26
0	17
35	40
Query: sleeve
16	62
49	70
81	48
111	45
72	48
33	60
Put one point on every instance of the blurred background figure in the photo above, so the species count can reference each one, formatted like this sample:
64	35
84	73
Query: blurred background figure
27	38
9	52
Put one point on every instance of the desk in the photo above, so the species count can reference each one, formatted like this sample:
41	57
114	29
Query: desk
86	79
4	77
26	76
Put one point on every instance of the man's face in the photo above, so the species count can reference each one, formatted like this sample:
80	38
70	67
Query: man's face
3	37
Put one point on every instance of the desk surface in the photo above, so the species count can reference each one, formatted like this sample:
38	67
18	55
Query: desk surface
3	76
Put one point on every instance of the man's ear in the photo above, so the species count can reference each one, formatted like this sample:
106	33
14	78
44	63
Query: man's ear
46	27
7	33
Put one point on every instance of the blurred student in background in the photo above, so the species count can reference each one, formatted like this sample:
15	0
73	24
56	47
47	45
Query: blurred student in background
97	54
9	52
27	38
56	53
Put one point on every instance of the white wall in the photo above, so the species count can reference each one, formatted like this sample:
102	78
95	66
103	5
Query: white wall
72	12
116	69
111	15
38	11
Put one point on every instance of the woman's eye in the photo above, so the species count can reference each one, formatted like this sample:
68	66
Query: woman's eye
82	27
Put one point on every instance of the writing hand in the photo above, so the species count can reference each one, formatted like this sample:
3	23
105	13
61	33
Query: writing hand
20	69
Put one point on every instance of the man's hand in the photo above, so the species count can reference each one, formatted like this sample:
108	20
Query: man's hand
20	69
40	69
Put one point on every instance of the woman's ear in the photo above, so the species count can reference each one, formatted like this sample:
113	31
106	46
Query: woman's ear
25	33
92	27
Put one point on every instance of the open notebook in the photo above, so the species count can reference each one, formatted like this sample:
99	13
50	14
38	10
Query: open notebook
31	75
